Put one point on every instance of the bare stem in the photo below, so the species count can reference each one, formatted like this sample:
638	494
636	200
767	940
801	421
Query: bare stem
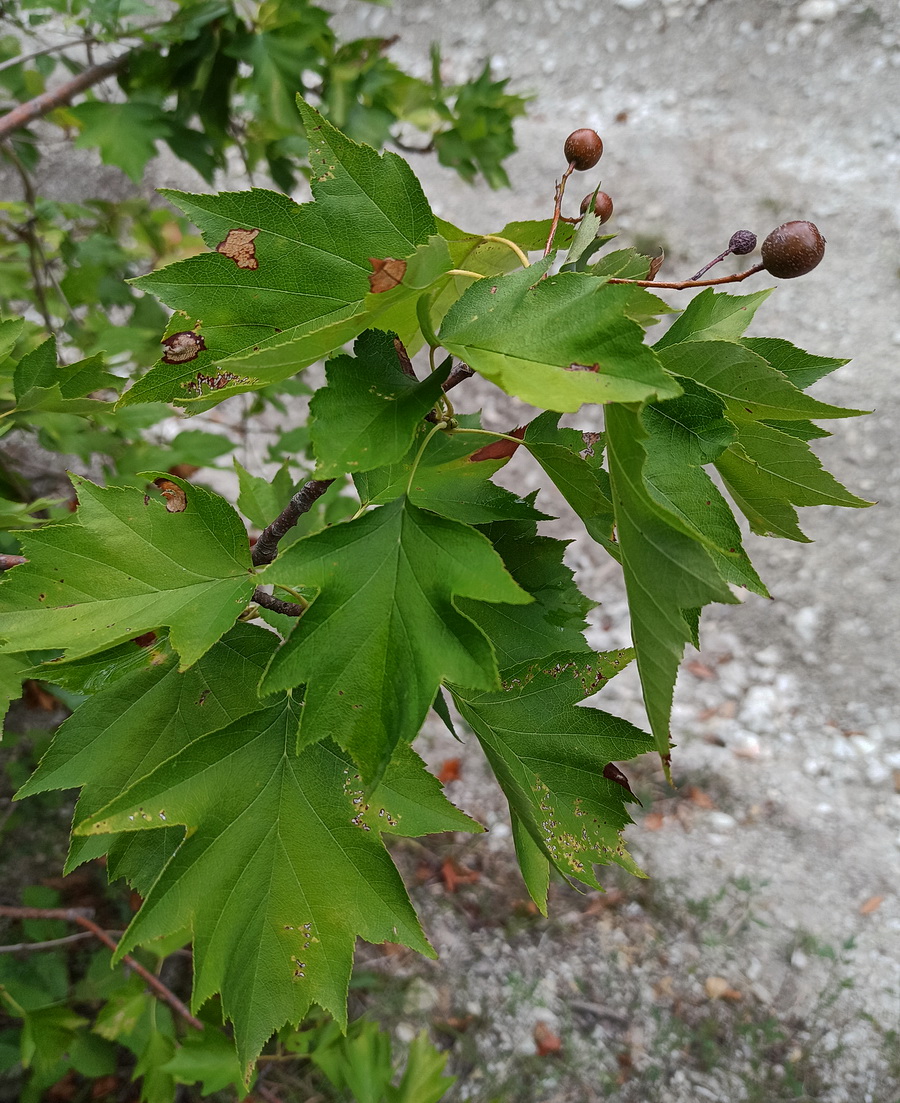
557	207
48	101
684	285
79	916
277	604
266	547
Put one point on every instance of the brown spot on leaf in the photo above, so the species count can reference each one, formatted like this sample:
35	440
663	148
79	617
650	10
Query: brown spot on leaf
176	499
146	640
583	367
386	273
238	246
498	449
182	347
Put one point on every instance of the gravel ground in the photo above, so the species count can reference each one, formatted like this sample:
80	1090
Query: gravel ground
758	961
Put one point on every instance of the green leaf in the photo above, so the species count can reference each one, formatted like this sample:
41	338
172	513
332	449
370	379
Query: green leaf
126	566
448	480
261	500
125	133
751	387
210	1058
624	264
555	621
534	865
684	434
714	316
307	267
41	383
383	632
277	877
423	1078
368	414
139	719
410	800
580	479
768	472
667	572
390	308
13	670
556	342
801	367
549	755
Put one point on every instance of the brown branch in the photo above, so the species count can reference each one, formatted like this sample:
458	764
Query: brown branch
266	547
277	604
685	284
7	561
457	375
557	207
48	101
80	916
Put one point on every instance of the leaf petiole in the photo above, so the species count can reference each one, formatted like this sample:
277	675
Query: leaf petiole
526	263
440	425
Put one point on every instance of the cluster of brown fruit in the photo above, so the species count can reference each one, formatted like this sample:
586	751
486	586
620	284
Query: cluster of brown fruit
790	250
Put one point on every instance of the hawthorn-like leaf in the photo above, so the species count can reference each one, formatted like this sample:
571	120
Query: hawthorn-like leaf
768	472
751	387
626	264
383	632
126	565
368	414
684	434
279	271
448	480
714	316
277	876
261	500
580	479
144	710
801	367
556	342
125	133
667	573
42	383
549	754
14	669
391	304
555	621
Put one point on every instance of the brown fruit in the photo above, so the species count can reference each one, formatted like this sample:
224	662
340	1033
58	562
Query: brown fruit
603	205
583	149
793	249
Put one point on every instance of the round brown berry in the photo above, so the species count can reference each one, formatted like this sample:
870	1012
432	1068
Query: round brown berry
742	241
793	249
603	205
583	149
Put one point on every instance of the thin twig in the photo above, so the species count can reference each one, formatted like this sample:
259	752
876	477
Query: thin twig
80	916
22	59
457	375
557	207
685	284
266	547
51	944
48	101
